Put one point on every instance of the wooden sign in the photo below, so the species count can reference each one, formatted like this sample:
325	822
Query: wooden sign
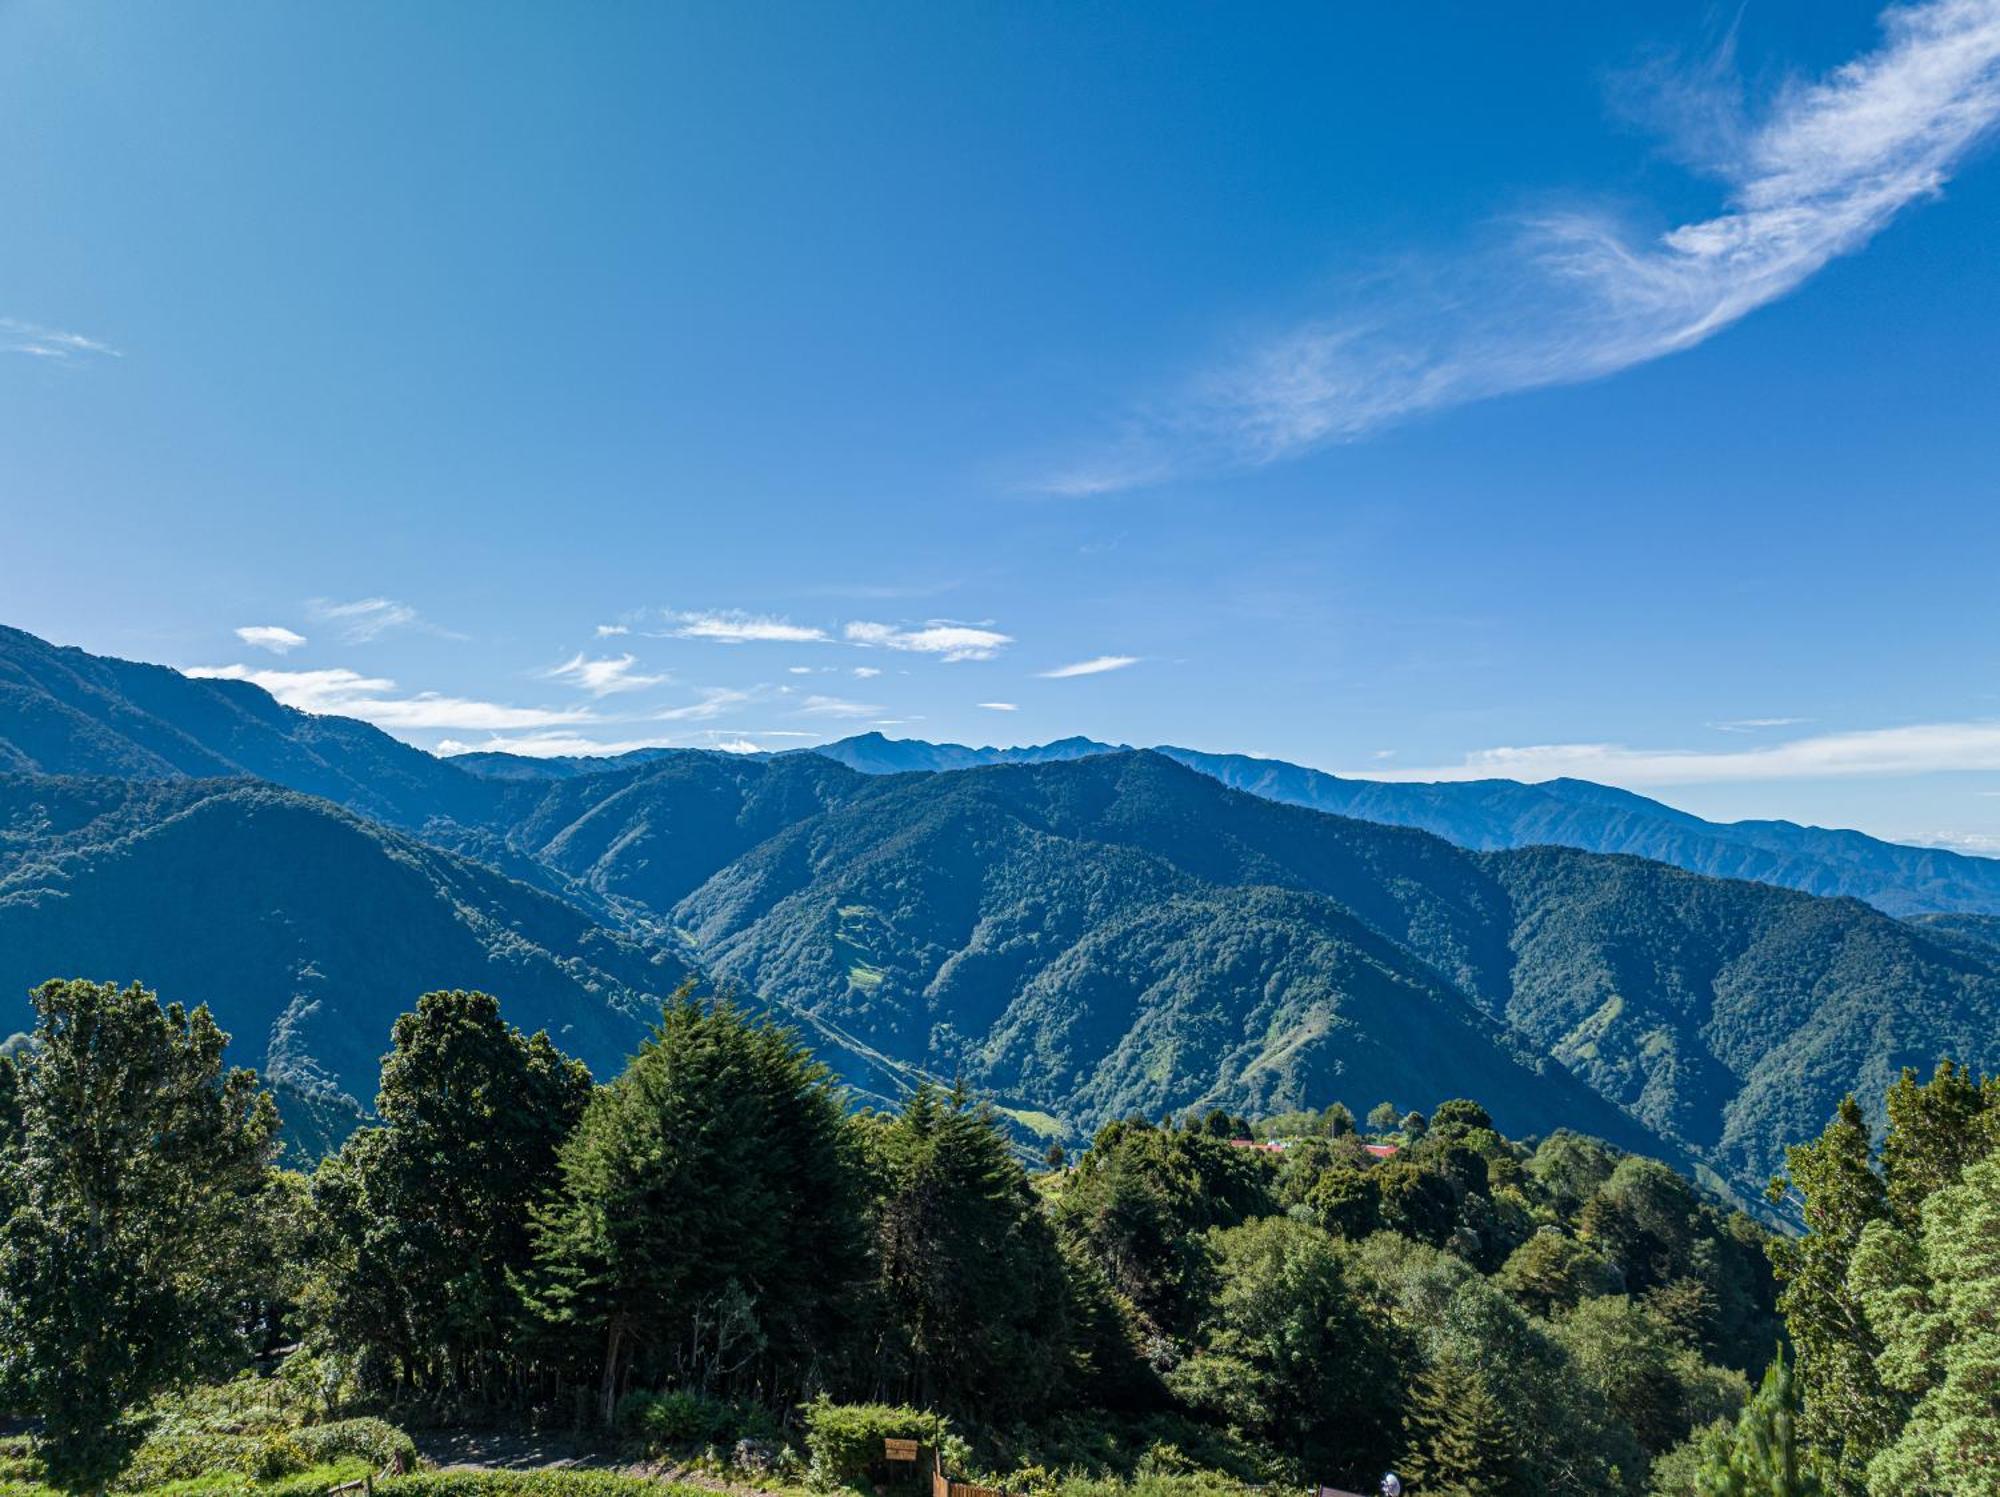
899	1450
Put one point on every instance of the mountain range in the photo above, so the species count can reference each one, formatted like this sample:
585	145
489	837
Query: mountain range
1493	814
1080	931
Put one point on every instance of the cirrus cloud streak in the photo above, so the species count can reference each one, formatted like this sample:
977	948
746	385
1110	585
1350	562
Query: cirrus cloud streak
1574	295
1921	748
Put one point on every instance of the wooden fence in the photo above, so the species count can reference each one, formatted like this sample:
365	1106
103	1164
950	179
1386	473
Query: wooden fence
944	1486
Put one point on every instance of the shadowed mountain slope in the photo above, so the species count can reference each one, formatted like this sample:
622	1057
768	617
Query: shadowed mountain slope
306	929
69	713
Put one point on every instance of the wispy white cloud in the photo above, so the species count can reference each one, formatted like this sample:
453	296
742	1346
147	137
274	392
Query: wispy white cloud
941	637
1922	748
368	619
1001	706
1973	844
39	342
348	693
825	706
550	745
1096	666
604	676
273	637
1574	295
733	626
864	672
561	743
608	631
1757	724
714	701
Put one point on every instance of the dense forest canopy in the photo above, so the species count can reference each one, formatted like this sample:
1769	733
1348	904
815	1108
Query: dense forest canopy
1302	1299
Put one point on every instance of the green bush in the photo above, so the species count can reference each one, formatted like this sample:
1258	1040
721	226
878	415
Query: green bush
230	1460
172	1455
375	1441
530	1484
678	1418
1154	1484
844	1440
313	1482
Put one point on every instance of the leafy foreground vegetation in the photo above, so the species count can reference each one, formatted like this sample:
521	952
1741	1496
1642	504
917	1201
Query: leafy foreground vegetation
711	1259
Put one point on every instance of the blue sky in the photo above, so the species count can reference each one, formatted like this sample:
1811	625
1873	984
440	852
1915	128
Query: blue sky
1451	389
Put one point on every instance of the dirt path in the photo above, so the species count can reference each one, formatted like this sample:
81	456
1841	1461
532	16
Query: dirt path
511	1450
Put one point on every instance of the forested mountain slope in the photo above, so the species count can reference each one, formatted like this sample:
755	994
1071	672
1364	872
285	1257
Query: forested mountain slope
1495	814
306	929
1731	1015
972	923
642	837
1119	933
65	712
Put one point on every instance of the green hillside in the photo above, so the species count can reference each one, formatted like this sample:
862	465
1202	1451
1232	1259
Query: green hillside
305	928
1119	933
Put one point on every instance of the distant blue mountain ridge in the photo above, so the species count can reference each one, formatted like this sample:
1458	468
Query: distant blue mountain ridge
1491	815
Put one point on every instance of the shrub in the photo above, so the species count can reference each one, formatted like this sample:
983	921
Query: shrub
181	1455
177	1453
678	1418
375	1441
844	1440
530	1484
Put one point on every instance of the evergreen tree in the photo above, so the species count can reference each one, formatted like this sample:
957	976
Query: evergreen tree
1936	1129
1847	1413
1457	1439
10	1136
708	1232
430	1212
124	1264
1764	1456
1933	1299
976	1315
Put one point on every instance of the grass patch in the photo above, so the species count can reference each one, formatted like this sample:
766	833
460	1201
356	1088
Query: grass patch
1041	1124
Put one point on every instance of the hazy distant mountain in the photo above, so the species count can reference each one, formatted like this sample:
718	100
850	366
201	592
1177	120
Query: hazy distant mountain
492	765
1901	879
871	753
1494	814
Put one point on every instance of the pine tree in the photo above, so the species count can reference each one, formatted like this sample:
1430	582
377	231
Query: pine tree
430	1212
1847	1413
708	1233
1935	1130
973	1294
1933	1298
1458	1439
1764	1456
123	1267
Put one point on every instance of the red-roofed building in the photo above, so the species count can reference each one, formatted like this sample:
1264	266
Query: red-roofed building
1382	1151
